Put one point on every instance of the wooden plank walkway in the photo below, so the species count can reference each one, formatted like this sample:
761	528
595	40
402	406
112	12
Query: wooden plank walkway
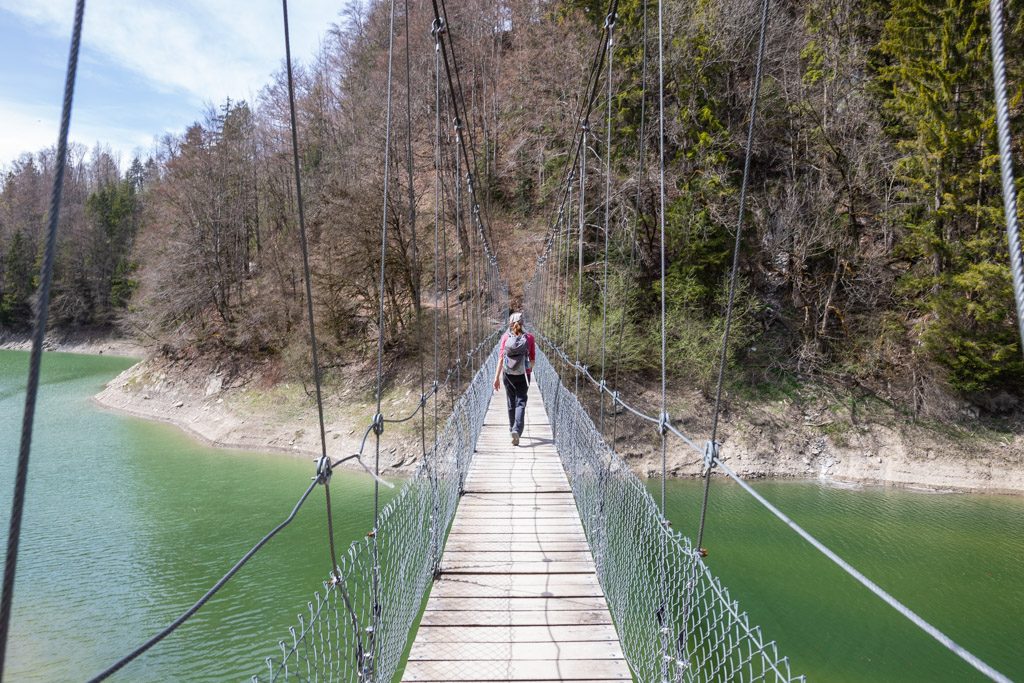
518	597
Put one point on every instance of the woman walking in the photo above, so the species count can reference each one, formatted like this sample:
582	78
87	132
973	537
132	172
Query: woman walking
516	355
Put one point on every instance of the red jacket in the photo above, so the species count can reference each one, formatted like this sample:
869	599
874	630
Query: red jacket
531	350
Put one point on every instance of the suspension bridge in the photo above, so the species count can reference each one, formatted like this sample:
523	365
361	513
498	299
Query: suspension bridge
548	561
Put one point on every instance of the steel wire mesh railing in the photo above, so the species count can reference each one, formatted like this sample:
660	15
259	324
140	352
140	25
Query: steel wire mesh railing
335	638
675	620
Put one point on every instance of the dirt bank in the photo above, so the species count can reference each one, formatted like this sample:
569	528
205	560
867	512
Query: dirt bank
812	436
229	405
91	343
817	437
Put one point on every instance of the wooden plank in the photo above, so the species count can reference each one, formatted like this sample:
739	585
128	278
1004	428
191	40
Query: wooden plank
518	555
517	670
521	536
513	567
492	488
517	586
522	504
512	526
515	618
594	649
515	526
521	480
470	514
520	498
516	634
517	604
548	680
456	544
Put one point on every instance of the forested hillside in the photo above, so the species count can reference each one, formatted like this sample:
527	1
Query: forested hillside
875	256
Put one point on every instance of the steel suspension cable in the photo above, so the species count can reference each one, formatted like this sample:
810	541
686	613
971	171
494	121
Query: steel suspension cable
579	267
173	626
610	25
324	464
458	257
417	272
641	170
447	279
378	419
585	109
437	210
713	443
465	109
1006	160
661	231
663	418
38	335
455	96
435	532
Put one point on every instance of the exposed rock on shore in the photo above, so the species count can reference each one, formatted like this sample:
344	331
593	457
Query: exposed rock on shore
246	407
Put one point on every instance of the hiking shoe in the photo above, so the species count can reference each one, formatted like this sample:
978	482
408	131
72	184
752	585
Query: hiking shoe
515	438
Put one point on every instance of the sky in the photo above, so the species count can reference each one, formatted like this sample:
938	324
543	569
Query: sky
146	67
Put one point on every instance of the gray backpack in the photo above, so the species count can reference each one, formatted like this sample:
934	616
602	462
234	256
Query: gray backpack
516	353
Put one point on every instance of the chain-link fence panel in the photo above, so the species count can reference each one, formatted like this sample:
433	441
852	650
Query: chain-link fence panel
357	627
675	620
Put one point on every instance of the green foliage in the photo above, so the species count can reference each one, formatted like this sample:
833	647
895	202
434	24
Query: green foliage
20	278
932	73
972	332
633	338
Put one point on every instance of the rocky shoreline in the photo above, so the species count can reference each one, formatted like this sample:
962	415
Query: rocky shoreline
230	411
775	441
781	441
93	344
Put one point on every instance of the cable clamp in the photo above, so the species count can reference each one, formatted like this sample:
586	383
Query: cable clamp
586	125
663	422
323	470
378	424
609	21
437	27
457	122
335	577
615	398
710	455
423	399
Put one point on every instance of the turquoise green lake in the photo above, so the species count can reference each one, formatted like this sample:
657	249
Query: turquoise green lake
128	522
955	559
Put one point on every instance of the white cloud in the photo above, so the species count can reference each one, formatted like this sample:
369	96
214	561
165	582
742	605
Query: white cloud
38	128
192	52
207	50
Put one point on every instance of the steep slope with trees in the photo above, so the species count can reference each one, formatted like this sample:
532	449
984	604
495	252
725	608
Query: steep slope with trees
874	264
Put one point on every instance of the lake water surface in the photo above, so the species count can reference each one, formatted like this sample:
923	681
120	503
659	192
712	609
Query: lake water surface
128	522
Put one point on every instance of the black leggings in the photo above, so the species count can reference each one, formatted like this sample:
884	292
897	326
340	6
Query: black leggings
516	388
